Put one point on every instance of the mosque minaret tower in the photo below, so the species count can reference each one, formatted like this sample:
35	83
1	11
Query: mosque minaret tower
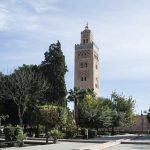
87	62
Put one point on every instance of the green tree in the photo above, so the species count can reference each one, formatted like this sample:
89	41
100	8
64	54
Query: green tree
3	117
52	116
7	106
74	95
77	95
94	113
122	110
148	115
54	69
106	113
20	87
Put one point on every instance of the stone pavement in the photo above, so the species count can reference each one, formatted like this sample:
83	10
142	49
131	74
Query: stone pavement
143	138
58	146
80	144
129	147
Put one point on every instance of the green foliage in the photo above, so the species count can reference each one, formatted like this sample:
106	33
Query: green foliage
78	95
3	117
92	133
14	134
20	137
51	115
55	133
106	113
54	69
94	113
148	115
3	145
11	133
122	110
71	128
22	87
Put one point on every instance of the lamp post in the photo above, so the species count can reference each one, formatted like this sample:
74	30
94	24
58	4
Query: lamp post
142	122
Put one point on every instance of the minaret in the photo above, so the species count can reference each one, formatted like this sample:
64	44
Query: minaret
87	62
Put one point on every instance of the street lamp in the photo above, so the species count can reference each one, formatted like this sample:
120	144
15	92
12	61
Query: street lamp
142	122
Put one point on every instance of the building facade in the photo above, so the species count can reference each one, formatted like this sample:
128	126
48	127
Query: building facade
87	62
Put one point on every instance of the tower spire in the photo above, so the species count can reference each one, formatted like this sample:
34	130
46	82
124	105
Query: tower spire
86	27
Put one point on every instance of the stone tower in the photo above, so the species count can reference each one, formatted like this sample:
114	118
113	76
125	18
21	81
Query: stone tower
87	62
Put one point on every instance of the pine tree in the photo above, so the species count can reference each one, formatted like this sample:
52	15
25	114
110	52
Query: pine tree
54	70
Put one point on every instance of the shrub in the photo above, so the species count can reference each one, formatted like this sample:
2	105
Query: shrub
83	132
71	130
13	134
92	133
55	133
71	134
20	137
9	133
2	145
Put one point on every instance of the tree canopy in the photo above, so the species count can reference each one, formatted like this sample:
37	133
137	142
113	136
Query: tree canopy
54	69
23	86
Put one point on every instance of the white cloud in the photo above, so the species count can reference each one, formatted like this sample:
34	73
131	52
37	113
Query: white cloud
41	6
5	18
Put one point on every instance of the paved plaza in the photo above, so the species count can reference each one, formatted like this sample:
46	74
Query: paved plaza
130	147
95	144
58	146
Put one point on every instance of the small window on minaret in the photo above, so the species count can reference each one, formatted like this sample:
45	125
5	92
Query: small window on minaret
85	65
81	65
86	40
81	78
85	78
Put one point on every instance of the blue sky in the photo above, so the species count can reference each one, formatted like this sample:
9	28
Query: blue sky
121	30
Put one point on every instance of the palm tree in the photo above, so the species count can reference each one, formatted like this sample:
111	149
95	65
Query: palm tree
75	95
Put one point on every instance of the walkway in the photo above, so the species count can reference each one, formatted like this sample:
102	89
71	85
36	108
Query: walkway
92	144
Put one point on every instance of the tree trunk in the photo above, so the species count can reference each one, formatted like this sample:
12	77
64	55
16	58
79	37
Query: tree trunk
76	114
75	111
37	131
20	117
46	132
112	131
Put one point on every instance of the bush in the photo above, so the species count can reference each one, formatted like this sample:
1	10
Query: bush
14	134
104	133
20	137
92	133
83	133
2	145
71	130
71	134
11	133
55	133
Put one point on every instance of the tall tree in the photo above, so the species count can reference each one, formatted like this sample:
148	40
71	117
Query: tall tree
52	116
77	95
94	113
22	86
148	115
122	110
54	70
